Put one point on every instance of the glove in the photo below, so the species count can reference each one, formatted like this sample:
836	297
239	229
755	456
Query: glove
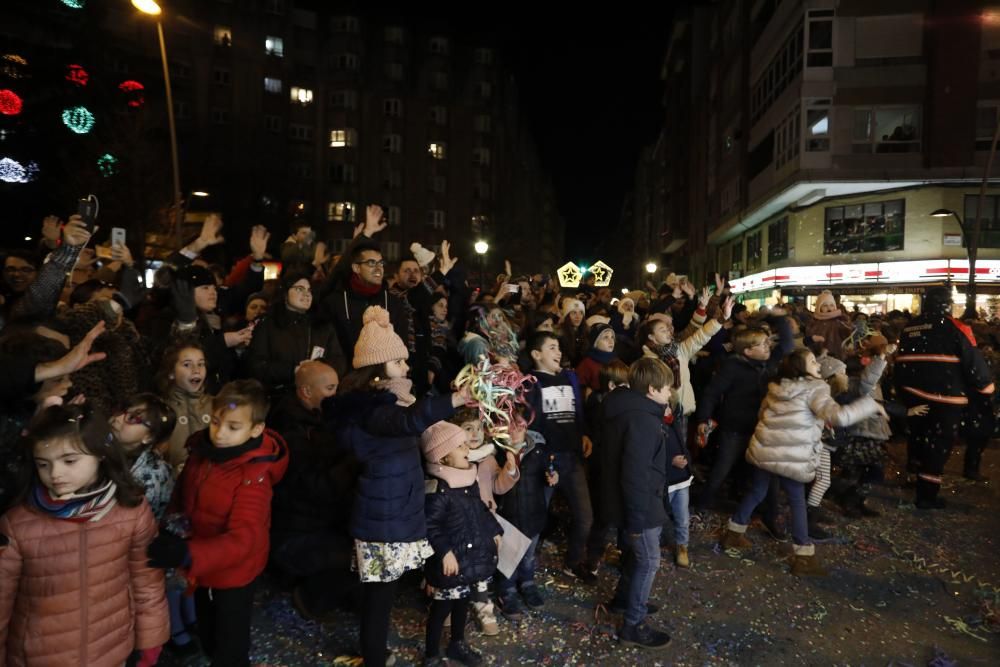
182	296
147	657
132	289
168	551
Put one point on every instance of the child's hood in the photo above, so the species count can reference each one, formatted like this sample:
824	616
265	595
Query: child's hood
790	390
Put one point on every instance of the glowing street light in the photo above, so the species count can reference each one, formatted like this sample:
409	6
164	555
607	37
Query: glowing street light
147	7
651	267
199	193
482	247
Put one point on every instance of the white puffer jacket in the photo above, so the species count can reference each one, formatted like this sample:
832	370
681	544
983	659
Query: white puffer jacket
787	439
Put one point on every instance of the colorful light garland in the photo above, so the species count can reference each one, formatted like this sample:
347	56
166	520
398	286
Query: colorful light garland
10	103
11	64
12	171
107	164
134	90
77	75
74	4
78	119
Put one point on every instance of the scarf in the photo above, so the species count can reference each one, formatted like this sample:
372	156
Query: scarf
358	286
481	452
455	477
207	450
603	358
440	330
668	355
400	387
832	315
78	507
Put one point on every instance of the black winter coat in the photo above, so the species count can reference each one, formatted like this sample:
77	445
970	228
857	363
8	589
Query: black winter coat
283	340
634	461
459	521
524	505
938	362
318	488
345	308
385	439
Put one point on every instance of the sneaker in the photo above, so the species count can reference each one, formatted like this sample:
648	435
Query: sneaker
616	607
532	597
511	607
464	654
931	504
581	572
642	636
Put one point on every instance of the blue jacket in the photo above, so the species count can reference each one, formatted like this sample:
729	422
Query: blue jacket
385	439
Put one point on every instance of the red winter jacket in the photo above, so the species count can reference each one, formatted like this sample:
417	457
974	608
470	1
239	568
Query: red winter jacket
229	505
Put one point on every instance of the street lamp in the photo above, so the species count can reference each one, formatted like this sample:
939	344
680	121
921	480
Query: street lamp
199	193
152	8
651	267
482	247
970	249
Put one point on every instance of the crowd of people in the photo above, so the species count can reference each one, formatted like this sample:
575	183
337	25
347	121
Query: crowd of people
163	446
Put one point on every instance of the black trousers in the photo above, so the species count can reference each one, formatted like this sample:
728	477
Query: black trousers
224	616
929	444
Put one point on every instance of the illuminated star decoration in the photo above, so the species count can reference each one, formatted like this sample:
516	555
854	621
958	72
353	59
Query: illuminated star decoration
78	119
10	103
602	274
107	164
133	89
77	75
12	171
569	275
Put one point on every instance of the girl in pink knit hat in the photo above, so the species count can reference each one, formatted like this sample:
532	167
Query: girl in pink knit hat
377	419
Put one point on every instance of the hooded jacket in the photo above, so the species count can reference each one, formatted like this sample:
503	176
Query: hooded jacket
229	506
283	340
787	440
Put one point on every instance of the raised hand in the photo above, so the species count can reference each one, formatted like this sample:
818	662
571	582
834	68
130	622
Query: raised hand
703	297
75	232
373	220
447	262
687	288
259	236
321	256
727	307
77	358
211	234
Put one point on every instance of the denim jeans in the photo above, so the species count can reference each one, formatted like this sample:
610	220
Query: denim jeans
523	575
642	560
796	493
678	501
573	485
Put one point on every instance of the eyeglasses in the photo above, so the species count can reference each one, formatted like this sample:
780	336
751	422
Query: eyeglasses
372	263
302	290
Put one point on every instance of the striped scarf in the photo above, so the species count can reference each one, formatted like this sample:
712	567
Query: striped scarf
83	507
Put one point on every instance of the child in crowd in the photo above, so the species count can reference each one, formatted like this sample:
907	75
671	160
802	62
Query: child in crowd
558	409
786	445
600	354
465	537
524	506
376	419
140	428
636	467
225	492
181	382
80	530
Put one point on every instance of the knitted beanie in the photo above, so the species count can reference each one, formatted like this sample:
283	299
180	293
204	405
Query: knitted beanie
423	256
440	440
594	320
568	306
830	366
196	275
597	330
378	343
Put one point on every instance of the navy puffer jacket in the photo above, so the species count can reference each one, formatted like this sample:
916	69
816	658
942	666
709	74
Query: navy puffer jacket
459	521
385	439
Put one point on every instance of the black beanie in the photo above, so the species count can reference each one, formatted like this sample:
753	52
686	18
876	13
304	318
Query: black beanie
196	276
596	331
937	301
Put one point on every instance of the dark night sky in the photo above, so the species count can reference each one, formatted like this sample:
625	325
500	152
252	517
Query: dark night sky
589	90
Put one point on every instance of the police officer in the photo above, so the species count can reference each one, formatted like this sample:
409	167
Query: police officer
936	366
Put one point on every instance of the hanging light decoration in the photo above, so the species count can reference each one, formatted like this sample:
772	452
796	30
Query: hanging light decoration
77	75
10	103
12	66
74	4
12	171
78	119
107	164
133	89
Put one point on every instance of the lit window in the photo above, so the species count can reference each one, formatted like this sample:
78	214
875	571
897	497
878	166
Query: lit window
817	130
339	211
887	130
343	138
392	143
274	46
303	96
437	151
223	35
272	85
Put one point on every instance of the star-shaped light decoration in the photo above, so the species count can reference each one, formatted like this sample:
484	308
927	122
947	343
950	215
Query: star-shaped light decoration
602	274
569	275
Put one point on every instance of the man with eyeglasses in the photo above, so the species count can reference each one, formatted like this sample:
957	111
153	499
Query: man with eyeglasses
358	281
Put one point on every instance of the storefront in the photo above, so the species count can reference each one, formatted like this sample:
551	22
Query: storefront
872	287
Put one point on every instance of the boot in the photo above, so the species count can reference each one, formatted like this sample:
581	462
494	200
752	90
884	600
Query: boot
815	531
681	558
804	562
486	620
735	537
927	494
